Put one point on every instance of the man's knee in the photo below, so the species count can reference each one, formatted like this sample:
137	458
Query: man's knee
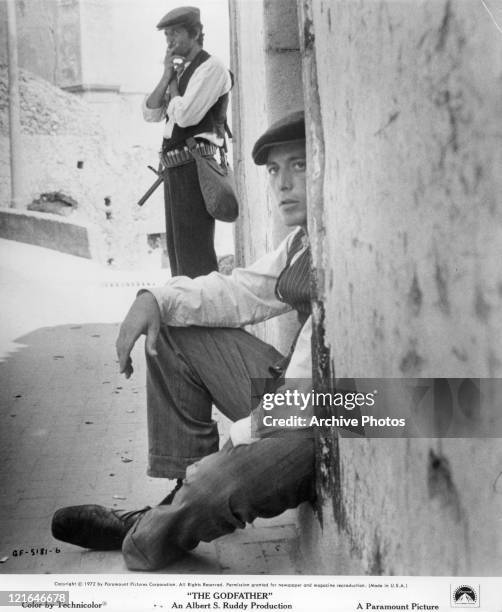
210	481
265	476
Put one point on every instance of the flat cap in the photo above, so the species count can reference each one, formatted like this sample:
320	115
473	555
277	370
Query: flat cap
290	128
183	15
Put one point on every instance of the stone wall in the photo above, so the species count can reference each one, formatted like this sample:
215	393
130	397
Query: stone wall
67	148
406	156
93	146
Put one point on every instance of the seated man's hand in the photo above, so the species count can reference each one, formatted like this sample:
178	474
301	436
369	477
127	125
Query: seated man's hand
240	432
143	318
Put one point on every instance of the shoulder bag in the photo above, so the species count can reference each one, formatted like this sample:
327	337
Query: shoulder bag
216	184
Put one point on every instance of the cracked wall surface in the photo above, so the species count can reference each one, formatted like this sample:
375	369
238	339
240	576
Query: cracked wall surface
407	242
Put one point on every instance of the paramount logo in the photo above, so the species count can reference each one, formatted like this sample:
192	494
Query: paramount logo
464	596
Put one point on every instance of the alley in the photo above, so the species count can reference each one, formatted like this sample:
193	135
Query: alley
73	430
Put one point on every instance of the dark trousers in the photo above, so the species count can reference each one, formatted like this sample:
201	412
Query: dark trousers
225	489
189	227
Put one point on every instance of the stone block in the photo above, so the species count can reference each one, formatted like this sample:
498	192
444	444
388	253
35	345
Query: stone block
46	230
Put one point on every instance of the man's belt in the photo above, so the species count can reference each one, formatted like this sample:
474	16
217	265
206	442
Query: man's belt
179	157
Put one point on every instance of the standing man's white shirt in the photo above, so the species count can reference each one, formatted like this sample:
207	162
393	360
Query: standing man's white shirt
208	83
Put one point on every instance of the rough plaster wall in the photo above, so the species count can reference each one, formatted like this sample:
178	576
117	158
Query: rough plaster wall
422	135
410	102
59	130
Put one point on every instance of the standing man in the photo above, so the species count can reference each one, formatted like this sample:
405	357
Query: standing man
192	96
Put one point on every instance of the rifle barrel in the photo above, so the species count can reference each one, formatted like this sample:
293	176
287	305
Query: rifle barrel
150	191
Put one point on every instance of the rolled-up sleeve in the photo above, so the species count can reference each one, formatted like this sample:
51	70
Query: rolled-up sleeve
153	115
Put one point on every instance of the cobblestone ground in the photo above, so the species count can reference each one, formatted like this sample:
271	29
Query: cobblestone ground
73	430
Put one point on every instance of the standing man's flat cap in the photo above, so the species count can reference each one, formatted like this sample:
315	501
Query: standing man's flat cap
183	15
290	128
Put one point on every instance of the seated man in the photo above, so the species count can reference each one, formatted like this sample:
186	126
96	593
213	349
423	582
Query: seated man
197	355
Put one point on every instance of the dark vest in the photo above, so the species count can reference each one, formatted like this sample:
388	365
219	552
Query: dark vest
293	284
213	121
293	288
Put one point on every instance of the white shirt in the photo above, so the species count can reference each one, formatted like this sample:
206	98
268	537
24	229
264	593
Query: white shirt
244	297
210	81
